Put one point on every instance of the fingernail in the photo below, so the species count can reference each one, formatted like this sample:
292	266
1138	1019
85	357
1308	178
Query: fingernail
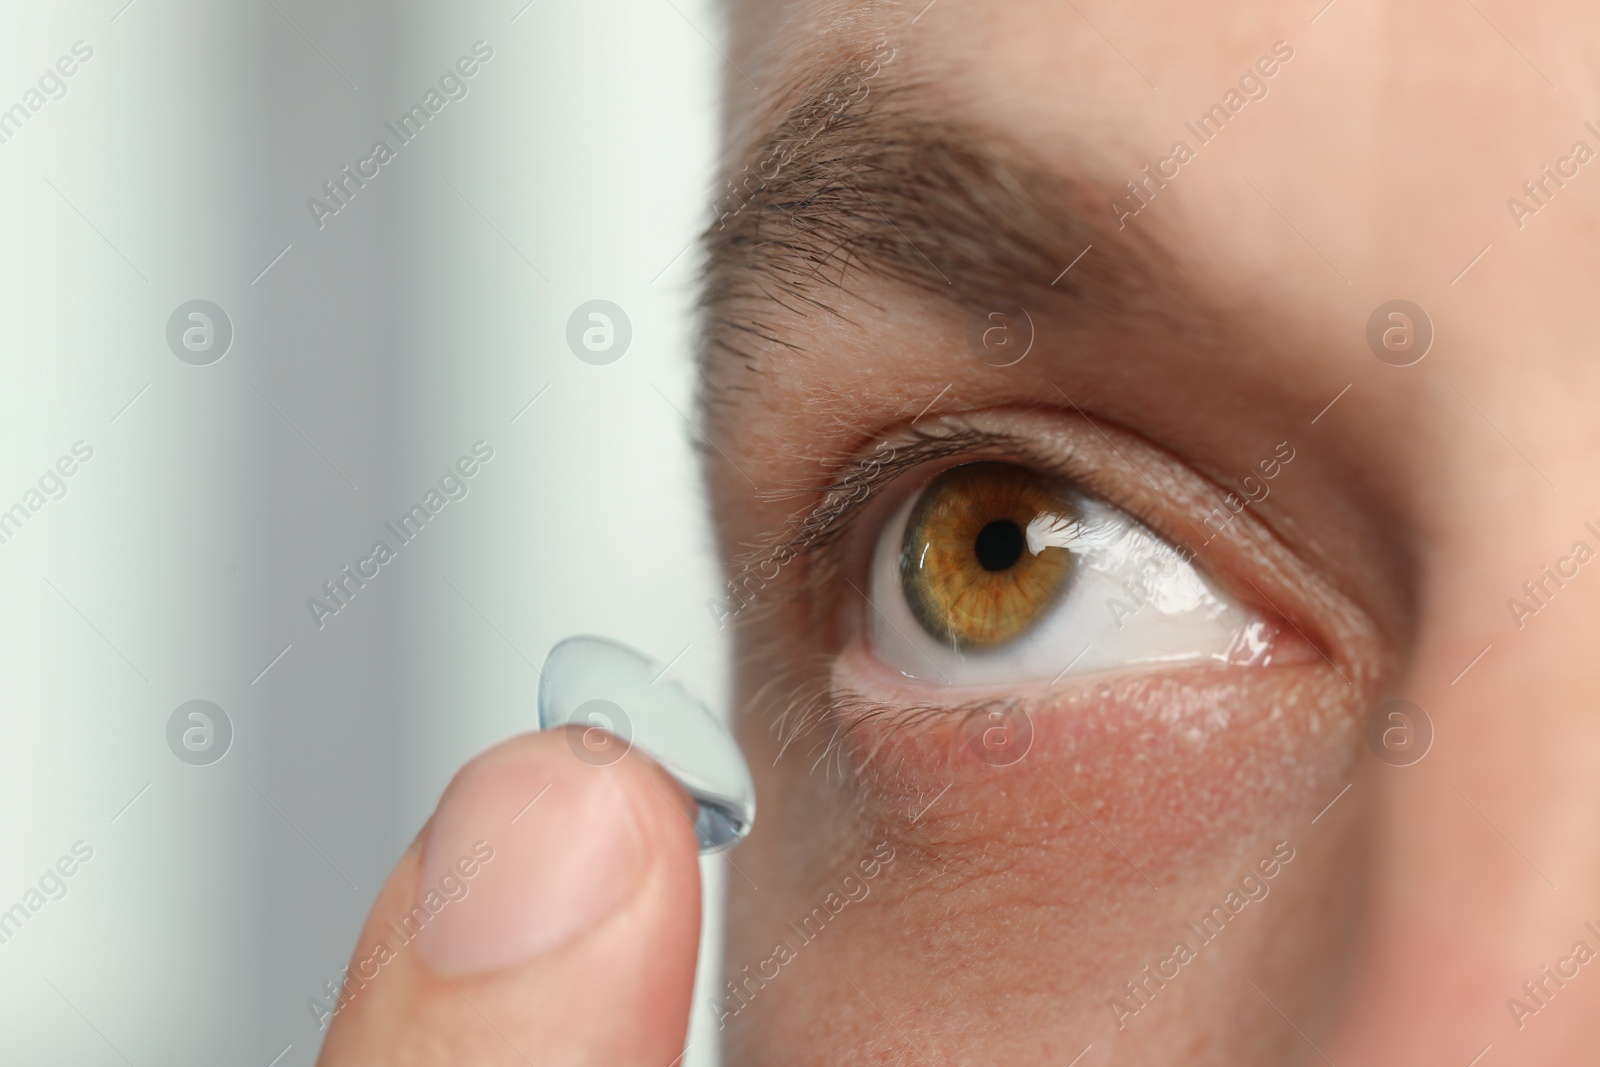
529	847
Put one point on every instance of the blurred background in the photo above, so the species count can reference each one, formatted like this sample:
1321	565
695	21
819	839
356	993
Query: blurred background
237	342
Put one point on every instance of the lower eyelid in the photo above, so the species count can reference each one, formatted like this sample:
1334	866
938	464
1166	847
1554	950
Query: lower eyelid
1173	766
857	671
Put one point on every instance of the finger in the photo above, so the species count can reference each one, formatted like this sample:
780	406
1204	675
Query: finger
548	914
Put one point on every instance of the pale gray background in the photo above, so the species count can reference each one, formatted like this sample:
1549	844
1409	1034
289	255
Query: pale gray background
365	360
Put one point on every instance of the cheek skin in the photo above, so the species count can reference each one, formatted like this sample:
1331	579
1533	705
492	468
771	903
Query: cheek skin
1007	920
1176	767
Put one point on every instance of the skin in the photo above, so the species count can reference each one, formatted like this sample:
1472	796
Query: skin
1020	898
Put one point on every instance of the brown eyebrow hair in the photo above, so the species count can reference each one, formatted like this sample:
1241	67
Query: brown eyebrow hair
877	187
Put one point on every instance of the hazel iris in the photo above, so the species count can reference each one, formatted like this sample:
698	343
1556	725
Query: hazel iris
976	564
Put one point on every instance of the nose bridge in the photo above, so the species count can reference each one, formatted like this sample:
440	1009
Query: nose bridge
1483	910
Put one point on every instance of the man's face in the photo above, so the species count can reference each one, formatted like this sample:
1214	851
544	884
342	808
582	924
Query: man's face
1088	498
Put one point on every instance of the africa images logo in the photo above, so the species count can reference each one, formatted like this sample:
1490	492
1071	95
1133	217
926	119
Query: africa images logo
454	484
342	188
51	86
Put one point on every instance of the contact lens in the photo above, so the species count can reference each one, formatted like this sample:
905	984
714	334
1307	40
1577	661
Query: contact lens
623	700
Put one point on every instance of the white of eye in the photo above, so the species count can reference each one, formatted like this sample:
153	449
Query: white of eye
1132	599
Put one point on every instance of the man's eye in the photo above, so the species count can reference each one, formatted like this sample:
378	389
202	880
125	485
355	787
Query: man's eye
995	572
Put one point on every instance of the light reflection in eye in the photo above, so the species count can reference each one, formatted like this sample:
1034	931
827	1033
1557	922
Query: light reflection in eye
998	573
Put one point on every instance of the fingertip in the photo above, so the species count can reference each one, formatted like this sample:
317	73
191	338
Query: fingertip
536	841
551	903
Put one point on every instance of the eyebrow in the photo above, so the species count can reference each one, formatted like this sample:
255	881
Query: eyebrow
878	188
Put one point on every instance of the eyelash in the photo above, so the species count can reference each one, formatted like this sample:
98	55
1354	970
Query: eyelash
817	704
813	539
817	540
835	517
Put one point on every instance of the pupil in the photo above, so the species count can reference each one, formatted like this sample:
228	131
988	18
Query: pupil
999	545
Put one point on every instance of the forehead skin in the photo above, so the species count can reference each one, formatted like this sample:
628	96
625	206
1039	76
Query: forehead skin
1377	166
